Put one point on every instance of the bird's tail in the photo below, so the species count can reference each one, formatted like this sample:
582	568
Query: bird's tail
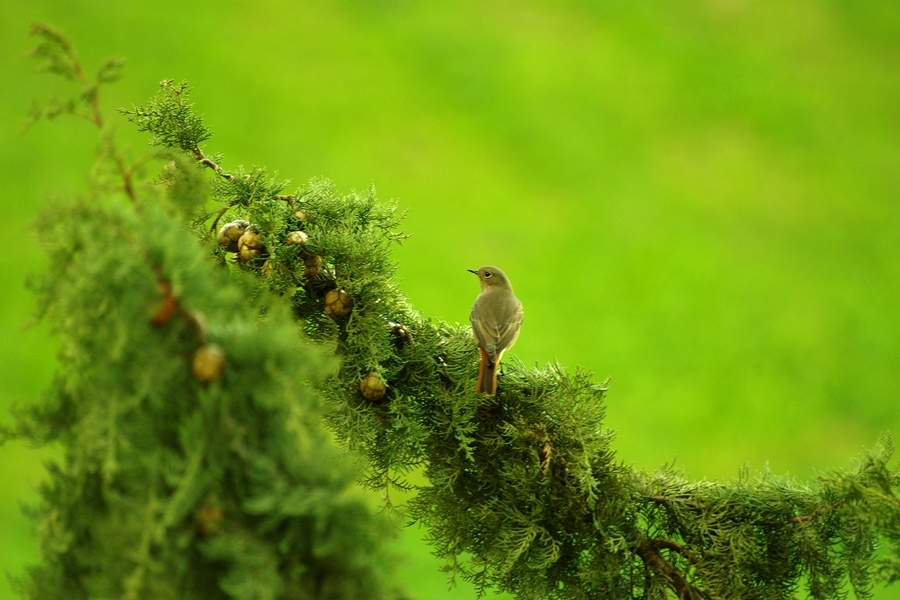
487	374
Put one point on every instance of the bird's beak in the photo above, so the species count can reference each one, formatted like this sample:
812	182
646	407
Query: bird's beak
471	271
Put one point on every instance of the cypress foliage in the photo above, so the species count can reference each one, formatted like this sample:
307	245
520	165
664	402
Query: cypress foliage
525	493
195	463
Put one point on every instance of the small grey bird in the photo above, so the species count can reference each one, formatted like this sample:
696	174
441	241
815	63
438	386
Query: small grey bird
496	317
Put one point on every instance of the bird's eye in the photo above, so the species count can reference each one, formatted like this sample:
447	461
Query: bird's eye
487	274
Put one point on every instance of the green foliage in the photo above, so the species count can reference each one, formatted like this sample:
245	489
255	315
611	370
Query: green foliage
171	118
525	493
56	55
525	483
228	484
757	537
195	463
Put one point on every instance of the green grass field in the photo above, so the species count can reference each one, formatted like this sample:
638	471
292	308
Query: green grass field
698	199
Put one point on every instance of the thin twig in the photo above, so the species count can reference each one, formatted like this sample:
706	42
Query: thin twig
803	519
208	162
219	215
660	499
96	117
664	544
648	551
218	170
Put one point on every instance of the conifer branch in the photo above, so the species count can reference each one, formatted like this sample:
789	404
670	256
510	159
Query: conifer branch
173	123
59	57
183	404
56	55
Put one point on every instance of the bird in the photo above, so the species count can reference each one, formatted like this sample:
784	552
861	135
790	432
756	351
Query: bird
496	317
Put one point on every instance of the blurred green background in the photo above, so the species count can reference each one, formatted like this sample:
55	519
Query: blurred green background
700	199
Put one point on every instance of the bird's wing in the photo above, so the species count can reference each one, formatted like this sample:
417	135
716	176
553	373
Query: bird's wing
509	329
482	332
496	335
